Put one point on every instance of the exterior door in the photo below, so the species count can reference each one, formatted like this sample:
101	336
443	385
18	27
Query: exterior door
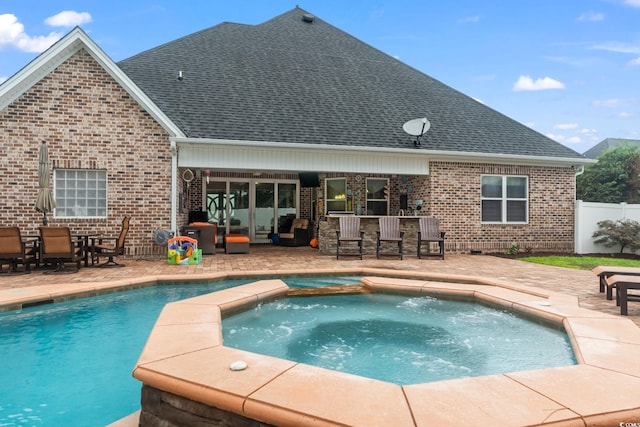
264	196
252	208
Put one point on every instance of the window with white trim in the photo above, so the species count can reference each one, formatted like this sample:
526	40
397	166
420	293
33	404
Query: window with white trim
336	195
80	193
505	199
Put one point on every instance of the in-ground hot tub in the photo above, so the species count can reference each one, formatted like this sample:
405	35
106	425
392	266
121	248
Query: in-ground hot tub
186	369
401	339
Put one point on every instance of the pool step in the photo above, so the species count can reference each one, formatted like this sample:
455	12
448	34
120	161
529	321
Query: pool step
330	290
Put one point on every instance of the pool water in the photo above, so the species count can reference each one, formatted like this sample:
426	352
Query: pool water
70	364
399	339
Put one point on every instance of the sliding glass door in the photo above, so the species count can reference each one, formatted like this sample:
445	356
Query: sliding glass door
264	211
255	208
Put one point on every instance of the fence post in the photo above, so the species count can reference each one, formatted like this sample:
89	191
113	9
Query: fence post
577	231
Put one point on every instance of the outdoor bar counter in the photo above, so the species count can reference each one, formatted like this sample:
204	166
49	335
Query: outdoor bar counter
369	224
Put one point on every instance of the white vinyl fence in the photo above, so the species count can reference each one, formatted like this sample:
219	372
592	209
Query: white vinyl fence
588	214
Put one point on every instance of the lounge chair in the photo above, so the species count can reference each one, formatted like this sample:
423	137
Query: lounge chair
57	246
14	250
623	283
430	233
349	232
110	247
605	271
389	232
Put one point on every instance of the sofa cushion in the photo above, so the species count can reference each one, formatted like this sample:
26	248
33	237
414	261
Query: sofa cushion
236	238
299	223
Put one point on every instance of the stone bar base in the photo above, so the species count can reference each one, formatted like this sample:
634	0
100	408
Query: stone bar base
408	224
160	408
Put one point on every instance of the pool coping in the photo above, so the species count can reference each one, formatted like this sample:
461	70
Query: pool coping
182	356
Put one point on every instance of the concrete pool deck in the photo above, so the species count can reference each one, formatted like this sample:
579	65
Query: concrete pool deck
602	390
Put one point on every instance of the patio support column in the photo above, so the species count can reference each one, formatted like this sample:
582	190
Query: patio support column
174	189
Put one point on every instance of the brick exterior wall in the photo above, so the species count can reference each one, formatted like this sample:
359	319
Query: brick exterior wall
454	198
89	122
452	193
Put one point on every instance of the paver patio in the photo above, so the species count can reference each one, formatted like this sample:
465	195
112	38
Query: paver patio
580	283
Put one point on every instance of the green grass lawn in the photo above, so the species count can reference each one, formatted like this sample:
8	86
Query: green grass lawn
581	263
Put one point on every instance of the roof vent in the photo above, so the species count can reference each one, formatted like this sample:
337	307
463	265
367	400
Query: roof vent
307	17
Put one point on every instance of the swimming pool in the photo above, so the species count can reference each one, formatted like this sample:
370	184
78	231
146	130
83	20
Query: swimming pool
398	339
47	352
49	349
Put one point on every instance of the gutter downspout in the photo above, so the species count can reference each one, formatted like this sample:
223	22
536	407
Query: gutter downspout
174	189
577	206
579	172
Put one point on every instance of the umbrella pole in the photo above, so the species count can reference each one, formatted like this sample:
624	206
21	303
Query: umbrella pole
44	218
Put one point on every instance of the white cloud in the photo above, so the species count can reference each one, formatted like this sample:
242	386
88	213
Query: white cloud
573	140
563	139
3	79
632	3
607	102
68	18
618	47
586	131
526	83
635	61
469	19
625	115
566	126
12	35
591	17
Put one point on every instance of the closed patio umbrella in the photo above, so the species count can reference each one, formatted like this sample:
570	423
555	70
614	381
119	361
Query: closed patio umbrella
45	202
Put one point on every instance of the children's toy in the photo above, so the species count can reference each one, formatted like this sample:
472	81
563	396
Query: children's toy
183	250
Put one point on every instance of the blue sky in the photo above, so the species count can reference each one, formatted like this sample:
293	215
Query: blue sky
569	69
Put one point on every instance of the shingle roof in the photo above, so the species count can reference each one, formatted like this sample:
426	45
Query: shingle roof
287	80
609	143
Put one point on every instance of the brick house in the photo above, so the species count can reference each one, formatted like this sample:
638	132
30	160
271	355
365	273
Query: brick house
253	124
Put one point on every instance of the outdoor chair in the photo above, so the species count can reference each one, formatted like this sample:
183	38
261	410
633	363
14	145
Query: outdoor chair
57	246
14	251
430	233
349	232
110	247
298	235
605	271
389	232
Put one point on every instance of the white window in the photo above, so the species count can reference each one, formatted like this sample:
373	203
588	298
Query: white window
377	199
505	199
80	193
336	195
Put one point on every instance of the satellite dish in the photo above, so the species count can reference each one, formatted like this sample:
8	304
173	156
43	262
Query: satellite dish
417	128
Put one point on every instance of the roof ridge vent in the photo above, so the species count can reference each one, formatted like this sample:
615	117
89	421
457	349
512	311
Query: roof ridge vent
307	17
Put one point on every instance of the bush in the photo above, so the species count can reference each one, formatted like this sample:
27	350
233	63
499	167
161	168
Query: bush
513	250
624	232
